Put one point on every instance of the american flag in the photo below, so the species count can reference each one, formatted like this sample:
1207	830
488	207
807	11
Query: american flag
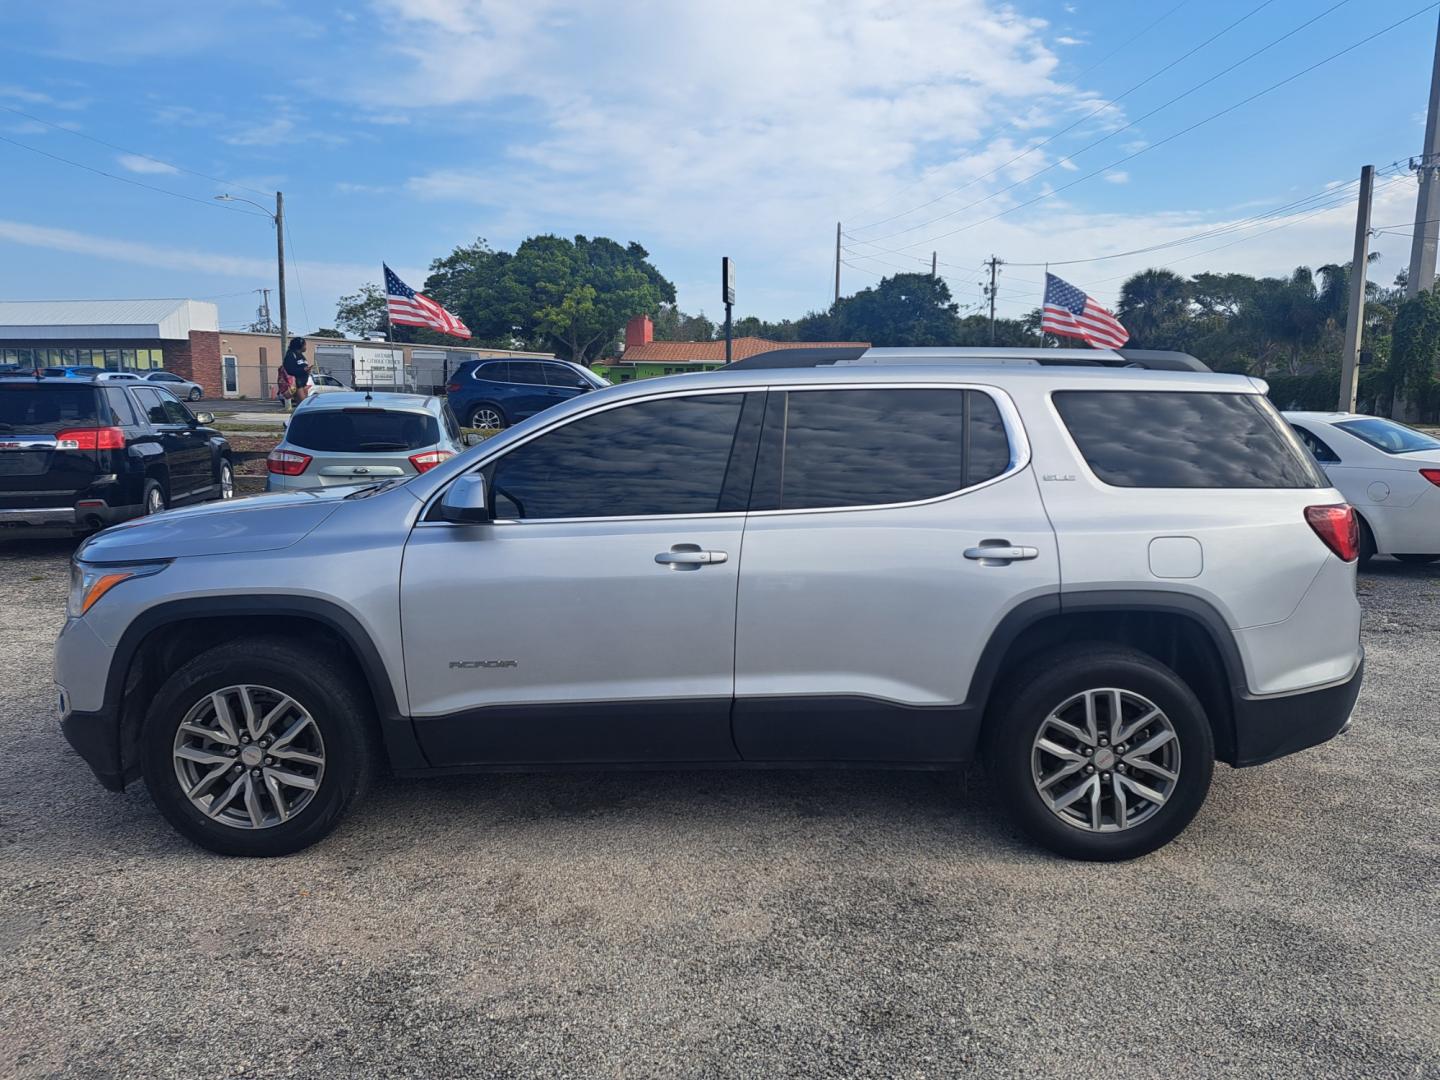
1070	313
409	308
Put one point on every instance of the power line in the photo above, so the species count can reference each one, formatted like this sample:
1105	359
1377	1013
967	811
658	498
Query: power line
1185	130
125	179
299	285
136	153
1072	126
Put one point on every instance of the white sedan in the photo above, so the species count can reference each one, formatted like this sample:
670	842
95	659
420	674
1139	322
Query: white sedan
1389	472
321	383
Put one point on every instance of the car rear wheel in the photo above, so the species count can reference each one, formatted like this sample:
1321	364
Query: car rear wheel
1101	753
487	418
1367	544
195	394
258	747
154	498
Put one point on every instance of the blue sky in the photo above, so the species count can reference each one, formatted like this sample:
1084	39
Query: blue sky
398	130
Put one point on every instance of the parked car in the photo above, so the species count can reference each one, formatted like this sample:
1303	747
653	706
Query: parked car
351	438
1100	579
321	383
1389	472
181	388
490	394
78	454
72	371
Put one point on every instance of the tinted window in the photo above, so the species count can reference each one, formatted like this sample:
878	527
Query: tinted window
560	375
152	405
494	372
1389	436
528	372
164	377
361	430
43	409
1170	439
655	457
175	413
1316	445
869	447
122	412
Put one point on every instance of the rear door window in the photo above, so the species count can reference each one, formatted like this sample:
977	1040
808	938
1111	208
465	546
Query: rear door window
41	409
1185	439
528	372
122	412
360	431
1316	445
876	446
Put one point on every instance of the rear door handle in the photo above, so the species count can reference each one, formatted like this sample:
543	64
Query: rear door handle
690	557
1001	553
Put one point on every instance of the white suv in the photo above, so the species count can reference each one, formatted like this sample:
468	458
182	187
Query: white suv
1101	577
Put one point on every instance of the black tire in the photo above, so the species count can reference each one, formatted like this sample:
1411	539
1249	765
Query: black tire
322	682
224	473
1043	686
1417	560
195	394
1367	545
472	420
154	498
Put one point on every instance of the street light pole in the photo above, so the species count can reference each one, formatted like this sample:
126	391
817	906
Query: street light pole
278	220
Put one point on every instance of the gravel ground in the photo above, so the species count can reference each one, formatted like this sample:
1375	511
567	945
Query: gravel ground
729	924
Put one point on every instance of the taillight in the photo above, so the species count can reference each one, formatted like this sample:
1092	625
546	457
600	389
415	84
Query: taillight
429	459
286	462
1433	475
452	388
1338	527
90	438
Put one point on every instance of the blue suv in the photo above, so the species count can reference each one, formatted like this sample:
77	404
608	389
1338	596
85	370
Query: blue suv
498	393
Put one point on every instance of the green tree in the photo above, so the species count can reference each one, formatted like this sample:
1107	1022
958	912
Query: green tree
903	310
326	331
471	282
1415	345
361	312
672	324
1155	307
576	295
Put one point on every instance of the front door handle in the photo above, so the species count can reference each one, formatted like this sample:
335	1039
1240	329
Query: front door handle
690	557
996	554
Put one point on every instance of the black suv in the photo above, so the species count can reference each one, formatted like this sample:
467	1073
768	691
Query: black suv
78	454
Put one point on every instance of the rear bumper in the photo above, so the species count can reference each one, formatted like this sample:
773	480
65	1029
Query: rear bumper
64	520
1270	727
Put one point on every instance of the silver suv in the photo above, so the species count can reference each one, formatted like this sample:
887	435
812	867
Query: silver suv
1099	576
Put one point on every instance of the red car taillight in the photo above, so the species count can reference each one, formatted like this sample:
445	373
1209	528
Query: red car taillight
1433	475
428	460
90	438
287	462
452	388
1338	527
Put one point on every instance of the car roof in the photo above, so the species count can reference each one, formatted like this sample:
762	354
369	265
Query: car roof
1027	356
358	399
1325	417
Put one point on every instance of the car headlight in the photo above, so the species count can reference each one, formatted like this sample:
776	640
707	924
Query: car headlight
89	583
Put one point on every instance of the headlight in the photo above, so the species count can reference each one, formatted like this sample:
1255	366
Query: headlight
89	583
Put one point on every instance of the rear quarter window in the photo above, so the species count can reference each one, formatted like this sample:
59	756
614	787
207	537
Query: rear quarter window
359	431
1184	439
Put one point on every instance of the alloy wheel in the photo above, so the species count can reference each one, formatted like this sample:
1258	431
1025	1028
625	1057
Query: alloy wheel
154	501
1106	760
486	419
227	481
249	757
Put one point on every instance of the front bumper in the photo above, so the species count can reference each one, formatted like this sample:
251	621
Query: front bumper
1270	727
95	736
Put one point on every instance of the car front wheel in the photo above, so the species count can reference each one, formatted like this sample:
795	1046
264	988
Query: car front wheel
1101	753
258	747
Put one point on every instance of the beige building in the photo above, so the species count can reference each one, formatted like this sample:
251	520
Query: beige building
249	363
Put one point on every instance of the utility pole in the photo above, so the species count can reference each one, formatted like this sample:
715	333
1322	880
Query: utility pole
837	262
1427	206
280	260
1355	317
990	291
934	263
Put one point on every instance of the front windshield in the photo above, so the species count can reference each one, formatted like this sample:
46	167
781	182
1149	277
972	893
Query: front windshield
1389	436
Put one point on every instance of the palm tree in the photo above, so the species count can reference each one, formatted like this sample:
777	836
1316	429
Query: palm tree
1154	307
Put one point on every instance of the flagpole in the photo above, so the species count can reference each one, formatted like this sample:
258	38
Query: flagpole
1044	279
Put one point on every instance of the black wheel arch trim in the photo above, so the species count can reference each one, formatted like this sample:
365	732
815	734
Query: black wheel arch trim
396	729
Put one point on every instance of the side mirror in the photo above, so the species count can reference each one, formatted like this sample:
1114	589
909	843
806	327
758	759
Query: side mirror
474	439
205	418
465	502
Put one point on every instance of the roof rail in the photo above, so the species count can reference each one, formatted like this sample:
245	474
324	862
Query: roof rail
1151	359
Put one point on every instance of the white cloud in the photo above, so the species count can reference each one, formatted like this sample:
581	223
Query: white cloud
285	127
36	97
1117	176
137	164
1065	39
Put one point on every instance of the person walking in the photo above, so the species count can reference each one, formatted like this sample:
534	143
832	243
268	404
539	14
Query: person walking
297	367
